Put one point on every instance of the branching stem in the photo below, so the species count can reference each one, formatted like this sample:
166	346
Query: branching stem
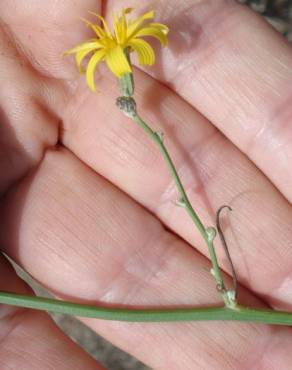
149	315
206	233
231	311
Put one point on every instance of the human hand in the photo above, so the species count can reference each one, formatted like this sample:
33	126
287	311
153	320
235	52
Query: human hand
87	205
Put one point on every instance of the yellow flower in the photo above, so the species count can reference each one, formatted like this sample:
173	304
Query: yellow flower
112	47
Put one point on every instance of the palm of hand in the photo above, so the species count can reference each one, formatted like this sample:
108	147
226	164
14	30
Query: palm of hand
87	199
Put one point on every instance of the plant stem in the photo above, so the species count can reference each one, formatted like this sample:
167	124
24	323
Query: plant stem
157	138
230	312
149	315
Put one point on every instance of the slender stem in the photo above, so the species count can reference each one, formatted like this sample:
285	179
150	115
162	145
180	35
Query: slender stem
157	138
149	315
229	312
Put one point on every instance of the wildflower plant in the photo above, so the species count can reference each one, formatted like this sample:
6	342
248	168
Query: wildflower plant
115	47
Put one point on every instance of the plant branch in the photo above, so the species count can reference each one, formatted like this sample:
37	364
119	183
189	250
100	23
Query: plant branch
149	315
208	234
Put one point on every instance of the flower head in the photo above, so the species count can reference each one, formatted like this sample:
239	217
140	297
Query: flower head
113	46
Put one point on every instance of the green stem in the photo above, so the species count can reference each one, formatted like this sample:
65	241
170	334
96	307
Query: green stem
149	315
156	137
229	312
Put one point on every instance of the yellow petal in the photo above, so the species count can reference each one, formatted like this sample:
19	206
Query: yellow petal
133	26
161	26
117	61
98	30
120	26
144	51
123	24
89	45
154	31
116	29
105	26
94	60
79	58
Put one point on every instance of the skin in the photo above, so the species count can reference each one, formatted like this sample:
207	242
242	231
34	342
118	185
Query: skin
87	202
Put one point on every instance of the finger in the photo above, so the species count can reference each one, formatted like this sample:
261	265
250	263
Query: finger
213	171
235	69
31	340
85	239
44	30
29	108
